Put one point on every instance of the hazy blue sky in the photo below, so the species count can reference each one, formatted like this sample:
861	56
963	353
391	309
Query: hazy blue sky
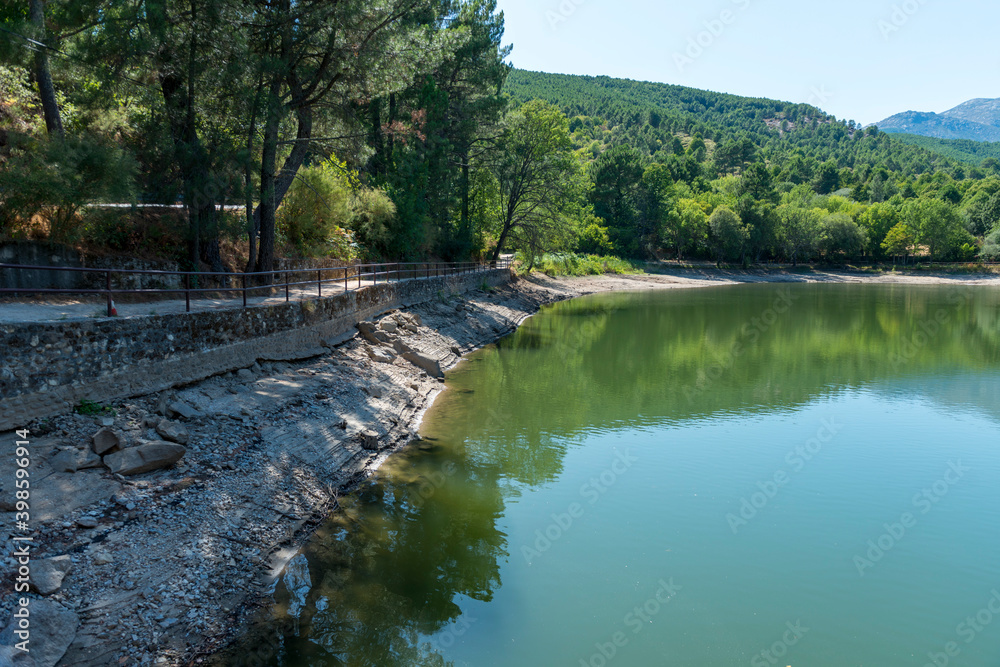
855	59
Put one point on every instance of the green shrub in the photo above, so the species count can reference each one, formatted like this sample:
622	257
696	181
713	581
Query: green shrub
52	180
316	210
570	264
991	247
372	213
594	240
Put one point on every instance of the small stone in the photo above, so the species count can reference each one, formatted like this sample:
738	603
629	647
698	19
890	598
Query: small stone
107	441
388	325
375	391
173	431
107	421
102	558
87	522
47	575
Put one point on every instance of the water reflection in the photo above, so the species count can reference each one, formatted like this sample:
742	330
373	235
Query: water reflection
381	582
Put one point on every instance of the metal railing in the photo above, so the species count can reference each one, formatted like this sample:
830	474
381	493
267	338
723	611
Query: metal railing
250	283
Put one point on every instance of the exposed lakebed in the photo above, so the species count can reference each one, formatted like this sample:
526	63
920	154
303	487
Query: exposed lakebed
759	475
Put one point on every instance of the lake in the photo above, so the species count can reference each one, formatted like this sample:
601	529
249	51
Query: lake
751	475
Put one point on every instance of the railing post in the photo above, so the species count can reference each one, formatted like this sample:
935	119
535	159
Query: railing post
345	280
319	282
286	287
244	281
107	282
375	275
187	292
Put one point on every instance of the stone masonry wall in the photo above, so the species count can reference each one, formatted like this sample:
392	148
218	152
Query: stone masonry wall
47	368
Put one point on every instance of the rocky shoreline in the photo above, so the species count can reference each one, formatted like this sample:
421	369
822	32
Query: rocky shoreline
160	523
152	555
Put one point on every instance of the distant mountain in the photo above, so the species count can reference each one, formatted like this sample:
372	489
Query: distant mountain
975	120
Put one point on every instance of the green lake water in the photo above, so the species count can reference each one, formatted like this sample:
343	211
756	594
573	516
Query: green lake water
803	475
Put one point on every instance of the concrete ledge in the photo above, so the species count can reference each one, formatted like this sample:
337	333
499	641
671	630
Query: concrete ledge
47	368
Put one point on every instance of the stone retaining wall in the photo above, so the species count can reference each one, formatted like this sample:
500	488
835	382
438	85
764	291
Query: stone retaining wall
47	368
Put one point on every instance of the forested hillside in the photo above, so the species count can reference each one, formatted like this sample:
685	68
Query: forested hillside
746	179
395	129
976	153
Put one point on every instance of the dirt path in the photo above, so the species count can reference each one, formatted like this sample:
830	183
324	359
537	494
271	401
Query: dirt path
164	566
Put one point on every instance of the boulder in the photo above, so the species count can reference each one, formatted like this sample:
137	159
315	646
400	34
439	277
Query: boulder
245	375
367	330
86	459
144	458
388	325
400	346
380	355
47	575
369	440
12	657
53	629
173	431
184	410
432	366
108	440
67	460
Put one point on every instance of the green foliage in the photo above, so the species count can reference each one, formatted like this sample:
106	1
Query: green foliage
991	247
936	224
730	235
317	211
840	238
594	240
962	150
53	180
373	215
569	264
899	241
90	408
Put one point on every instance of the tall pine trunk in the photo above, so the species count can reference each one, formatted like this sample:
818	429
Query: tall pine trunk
43	76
